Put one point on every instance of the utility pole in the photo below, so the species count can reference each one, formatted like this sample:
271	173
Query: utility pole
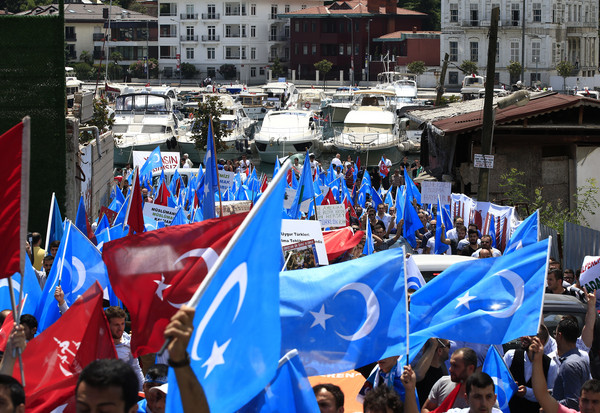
440	87
483	192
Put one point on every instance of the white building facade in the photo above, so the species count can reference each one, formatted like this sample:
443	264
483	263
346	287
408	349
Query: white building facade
551	32
208	34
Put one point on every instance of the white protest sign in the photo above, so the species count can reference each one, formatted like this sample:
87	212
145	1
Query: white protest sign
431	189
590	273
288	201
332	216
295	230
170	160
160	213
225	179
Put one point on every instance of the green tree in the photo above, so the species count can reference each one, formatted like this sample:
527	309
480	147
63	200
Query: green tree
138	70
86	57
210	109
417	67
432	9
564	70
468	67
514	69
116	57
277	69
188	70
324	66
101	119
553	214
228	71
83	71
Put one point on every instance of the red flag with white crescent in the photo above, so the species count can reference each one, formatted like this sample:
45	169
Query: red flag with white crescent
156	272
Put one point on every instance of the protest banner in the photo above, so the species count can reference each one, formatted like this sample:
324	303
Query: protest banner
170	160
431	189
332	216
590	273
301	254
225	179
294	231
160	213
235	207
288	201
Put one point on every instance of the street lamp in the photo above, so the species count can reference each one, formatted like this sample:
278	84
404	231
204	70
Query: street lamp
352	51
180	51
369	49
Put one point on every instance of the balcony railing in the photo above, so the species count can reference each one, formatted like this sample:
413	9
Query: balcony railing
232	57
281	59
278	38
235	35
211	16
71	37
189	38
98	37
190	16
168	35
210	38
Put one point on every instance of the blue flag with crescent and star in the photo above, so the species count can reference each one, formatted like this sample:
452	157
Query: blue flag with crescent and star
505	385
488	301
154	161
305	189
31	289
237	332
78	264
347	315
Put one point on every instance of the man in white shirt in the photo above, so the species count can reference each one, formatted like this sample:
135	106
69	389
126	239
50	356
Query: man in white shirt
486	243
336	161
116	321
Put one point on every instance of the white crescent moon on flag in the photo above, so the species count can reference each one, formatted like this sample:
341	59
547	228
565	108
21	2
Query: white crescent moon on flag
238	276
4	283
81	274
372	307
500	386
519	286
208	254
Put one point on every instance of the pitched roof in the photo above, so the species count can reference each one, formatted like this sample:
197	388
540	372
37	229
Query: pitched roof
351	7
88	12
539	104
407	34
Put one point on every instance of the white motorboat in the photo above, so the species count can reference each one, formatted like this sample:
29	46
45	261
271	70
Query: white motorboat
143	121
73	85
340	104
371	127
281	95
287	132
403	85
311	99
253	104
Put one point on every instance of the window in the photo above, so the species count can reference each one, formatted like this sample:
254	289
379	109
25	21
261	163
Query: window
253	10
212	11
514	51
232	52
189	31
305	49
453	13
211	72
212	33
253	53
210	53
356	49
168	9
189	11
286	32
295	48
474	49
535	77
261	71
70	33
189	53
453	78
535	52
341	50
71	53
303	7
348	49
243	27
168	30
313	49
453	52
273	11
537	12
297	27
243	50
252	72
474	15
287	8
252	31
515	15
273	35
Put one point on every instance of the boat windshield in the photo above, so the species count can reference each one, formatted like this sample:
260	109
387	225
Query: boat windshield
143	103
154	129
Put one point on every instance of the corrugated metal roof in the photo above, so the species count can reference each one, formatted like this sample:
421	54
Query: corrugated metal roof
465	116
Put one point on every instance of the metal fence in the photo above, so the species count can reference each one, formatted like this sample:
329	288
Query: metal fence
579	241
546	232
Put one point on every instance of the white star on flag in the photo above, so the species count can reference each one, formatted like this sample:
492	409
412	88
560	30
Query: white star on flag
464	300
216	357
320	317
161	286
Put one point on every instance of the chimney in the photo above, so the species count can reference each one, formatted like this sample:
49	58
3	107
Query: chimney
390	6
373	6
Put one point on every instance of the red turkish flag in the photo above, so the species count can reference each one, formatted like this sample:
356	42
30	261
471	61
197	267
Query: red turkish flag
5	330
53	360
154	273
350	212
135	215
339	241
14	198
163	195
328	199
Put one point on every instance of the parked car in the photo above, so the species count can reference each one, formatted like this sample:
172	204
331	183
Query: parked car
432	265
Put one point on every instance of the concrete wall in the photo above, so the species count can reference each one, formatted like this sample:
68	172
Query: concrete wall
588	159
